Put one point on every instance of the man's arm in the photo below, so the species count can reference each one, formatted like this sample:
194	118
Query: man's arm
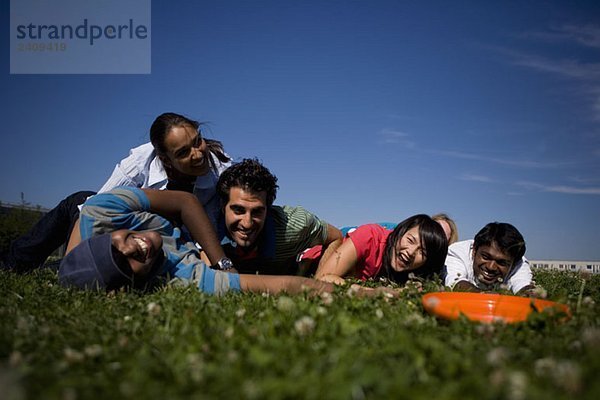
457	266
521	280
333	234
295	284
185	207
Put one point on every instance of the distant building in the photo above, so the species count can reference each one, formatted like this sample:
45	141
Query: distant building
591	267
6	207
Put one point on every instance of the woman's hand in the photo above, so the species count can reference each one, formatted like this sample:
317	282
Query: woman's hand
376	291
332	279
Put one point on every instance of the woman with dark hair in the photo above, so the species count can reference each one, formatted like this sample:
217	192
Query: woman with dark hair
151	166
177	157
418	244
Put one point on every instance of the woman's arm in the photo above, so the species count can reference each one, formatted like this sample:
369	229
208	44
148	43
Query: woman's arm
339	264
331	248
185	207
333	242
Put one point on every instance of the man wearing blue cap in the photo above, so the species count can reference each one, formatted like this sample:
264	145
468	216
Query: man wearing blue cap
122	239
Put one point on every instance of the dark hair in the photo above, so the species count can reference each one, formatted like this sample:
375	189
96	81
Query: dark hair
163	124
433	240
505	236
249	174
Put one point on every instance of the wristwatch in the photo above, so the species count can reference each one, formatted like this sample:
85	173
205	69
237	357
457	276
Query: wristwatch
224	264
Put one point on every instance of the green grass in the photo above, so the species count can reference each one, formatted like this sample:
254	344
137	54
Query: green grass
177	343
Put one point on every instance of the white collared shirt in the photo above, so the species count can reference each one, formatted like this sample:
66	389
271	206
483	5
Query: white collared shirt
143	169
459	267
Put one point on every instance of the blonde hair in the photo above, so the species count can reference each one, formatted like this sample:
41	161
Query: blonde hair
453	229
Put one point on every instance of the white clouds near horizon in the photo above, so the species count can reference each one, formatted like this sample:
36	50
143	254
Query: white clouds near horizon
560	188
503	161
390	136
586	35
475	178
570	68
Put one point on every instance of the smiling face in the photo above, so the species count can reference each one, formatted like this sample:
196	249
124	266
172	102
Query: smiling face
245	214
409	253
186	151
490	264
138	250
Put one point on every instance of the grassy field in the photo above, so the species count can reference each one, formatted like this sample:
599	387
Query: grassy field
177	343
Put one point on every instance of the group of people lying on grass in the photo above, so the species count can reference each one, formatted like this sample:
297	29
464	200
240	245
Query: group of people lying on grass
178	210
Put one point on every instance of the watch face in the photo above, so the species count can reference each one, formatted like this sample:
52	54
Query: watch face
226	264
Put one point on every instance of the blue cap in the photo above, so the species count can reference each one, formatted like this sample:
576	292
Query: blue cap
90	265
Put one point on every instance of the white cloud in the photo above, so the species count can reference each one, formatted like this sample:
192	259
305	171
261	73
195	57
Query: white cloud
475	178
567	68
503	161
590	180
560	188
393	133
587	73
596	108
584	35
392	136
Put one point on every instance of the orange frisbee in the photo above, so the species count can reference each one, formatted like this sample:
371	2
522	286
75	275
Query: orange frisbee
484	307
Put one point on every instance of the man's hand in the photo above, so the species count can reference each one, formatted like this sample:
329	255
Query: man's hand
533	291
465	286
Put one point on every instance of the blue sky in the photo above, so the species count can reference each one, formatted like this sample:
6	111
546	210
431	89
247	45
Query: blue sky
365	110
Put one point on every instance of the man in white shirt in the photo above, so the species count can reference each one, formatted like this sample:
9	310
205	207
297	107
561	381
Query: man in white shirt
493	260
